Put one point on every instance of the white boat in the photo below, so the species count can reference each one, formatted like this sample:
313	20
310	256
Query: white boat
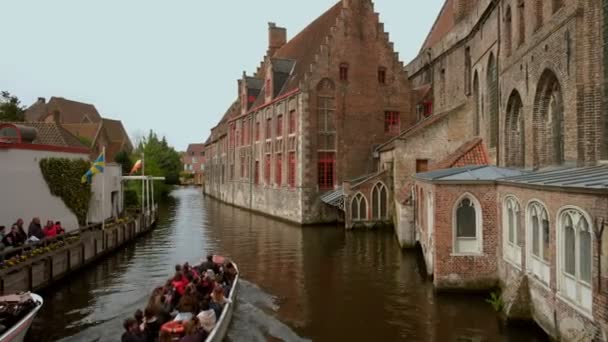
221	327
17	332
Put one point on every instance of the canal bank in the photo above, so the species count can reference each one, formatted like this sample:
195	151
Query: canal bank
299	283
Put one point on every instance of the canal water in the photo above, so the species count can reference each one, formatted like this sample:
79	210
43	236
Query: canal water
299	284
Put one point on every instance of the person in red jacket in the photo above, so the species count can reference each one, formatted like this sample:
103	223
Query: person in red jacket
179	283
50	230
58	229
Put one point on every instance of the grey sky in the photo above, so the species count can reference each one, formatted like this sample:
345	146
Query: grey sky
170	66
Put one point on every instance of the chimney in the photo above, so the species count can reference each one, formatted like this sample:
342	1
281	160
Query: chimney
277	37
41	100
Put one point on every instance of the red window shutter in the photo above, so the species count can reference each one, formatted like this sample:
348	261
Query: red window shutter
292	170
251	99
326	169
392	122
428	108
279	170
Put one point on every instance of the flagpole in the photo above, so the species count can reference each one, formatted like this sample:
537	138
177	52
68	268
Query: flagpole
143	183
103	190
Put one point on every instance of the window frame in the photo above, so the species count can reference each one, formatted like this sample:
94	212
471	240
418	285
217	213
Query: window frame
343	72
392	122
291	173
456	249
279	128
360	198
537	265
377	190
278	171
293	125
511	249
566	281
325	176
382	75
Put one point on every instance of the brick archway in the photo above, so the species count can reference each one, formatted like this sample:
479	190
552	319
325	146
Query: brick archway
514	132
548	121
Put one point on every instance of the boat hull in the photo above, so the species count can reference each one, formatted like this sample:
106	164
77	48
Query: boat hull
221	327
18	332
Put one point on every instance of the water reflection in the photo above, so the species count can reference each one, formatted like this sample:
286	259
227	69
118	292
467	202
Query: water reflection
313	283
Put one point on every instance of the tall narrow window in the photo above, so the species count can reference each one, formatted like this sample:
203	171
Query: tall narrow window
508	30
391	122
343	72
538	13
576	256
242	166
292	122
492	86
538	250
467	228
256	172
257	131
326	110
382	75
268	129
326	168
467	71
358	209
521	18
279	126
548	122
267	169
291	177
279	170
511	213
379	202
268	88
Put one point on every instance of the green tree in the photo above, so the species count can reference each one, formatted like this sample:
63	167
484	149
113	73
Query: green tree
10	108
125	161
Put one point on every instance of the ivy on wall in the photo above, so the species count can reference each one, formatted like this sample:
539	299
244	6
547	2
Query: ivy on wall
63	178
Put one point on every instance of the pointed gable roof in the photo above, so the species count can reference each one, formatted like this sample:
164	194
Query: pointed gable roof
72	112
442	26
303	47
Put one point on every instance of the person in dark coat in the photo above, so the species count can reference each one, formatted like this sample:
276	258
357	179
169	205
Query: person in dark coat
35	229
22	236
132	332
13	238
209	265
151	325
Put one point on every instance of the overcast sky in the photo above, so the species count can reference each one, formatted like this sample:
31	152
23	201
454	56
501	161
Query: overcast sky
170	66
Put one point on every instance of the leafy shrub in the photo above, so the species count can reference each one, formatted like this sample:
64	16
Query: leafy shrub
63	178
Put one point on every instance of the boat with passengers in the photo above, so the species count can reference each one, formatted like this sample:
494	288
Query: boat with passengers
194	305
17	311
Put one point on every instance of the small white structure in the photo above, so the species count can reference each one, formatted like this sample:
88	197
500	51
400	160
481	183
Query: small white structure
113	197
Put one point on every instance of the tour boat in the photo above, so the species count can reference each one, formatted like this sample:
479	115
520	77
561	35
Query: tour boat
221	326
20	307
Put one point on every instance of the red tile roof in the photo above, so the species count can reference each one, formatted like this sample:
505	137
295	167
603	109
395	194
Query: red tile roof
442	26
71	112
52	134
473	152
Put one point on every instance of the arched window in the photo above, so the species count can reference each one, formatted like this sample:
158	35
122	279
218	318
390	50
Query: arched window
575	255
521	18
511	225
538	11
514	132
477	104
379	202
358	208
538	241
492	90
508	30
467	226
548	122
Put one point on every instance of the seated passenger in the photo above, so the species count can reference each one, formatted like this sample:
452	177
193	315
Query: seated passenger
151	325
218	300
207	318
193	332
50	230
188	302
58	228
209	265
132	333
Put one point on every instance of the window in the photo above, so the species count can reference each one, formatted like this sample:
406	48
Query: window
267	170
292	122
467	219
278	172
391	122
358	208
422	165
232	134
379	202
243	166
343	72
382	75
194	161
508	30
521	18
492	91
245	127
538	246
256	172
291	177
510	227
427	109
575	255
257	131
268	88
280	126
268	129
327	164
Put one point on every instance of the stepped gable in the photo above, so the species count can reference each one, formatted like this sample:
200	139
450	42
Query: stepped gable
305	45
443	25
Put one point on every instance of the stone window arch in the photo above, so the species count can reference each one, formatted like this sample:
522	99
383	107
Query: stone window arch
514	132
492	91
508	30
548	122
358	208
379	202
477	104
467	225
511	230
538	241
575	256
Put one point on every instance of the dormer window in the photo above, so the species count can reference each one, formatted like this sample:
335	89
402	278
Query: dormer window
343	72
382	75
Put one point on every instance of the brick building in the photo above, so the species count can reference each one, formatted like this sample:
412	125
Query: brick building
194	163
310	116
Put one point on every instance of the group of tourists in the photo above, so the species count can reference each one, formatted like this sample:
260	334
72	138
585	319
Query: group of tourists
17	236
188	306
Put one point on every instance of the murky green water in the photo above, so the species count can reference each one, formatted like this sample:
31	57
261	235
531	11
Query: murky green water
314	283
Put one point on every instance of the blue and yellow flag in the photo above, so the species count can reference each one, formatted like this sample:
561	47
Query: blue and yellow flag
98	165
